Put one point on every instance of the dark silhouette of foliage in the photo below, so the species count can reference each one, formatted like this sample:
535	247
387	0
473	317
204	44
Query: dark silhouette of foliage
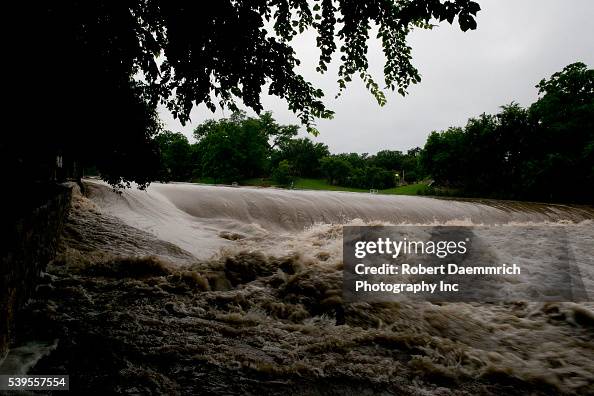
239	147
283	173
354	170
356	160
411	167
377	171
336	169
176	156
406	165
544	152
96	70
370	177
388	159
303	155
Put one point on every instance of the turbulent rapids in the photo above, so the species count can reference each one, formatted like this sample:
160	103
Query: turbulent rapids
184	289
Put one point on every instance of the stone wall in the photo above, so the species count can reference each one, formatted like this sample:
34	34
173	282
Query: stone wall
32	227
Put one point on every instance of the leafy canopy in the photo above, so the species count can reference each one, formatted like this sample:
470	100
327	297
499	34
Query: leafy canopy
239	147
231	49
543	152
98	69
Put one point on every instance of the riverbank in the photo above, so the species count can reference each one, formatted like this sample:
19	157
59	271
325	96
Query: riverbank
33	227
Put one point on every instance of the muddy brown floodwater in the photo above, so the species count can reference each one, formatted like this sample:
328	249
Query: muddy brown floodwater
186	289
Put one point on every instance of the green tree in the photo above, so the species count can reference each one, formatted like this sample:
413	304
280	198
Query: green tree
443	156
176	156
388	159
239	147
369	177
303	155
278	135
564	146
544	152
356	160
411	165
106	65
337	170
232	149
378	178
282	174
396	161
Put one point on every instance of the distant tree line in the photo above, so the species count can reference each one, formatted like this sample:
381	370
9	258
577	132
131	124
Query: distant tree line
240	147
380	171
543	152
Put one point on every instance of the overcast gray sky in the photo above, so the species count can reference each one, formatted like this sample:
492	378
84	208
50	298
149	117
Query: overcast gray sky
517	43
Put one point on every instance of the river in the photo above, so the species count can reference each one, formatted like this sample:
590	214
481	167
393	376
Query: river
191	289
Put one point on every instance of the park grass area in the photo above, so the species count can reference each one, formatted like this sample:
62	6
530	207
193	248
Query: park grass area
409	189
203	180
322	184
258	182
301	184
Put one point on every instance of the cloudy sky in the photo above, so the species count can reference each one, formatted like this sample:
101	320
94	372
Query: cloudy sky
516	44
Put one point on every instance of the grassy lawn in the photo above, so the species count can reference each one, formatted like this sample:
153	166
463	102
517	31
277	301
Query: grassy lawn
256	181
322	184
204	180
411	189
301	184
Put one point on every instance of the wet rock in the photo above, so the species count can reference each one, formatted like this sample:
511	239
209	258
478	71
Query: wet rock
247	266
232	236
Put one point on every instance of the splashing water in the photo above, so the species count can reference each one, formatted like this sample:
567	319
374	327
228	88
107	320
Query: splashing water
202	289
